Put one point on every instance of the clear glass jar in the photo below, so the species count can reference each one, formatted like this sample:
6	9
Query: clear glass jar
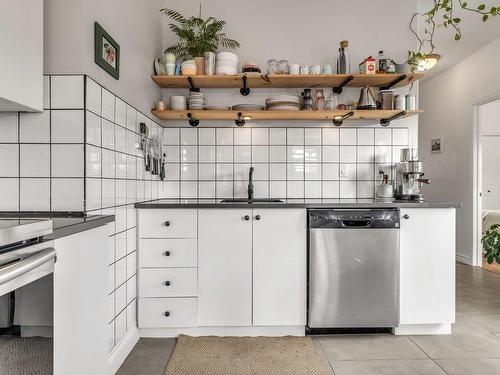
272	66
320	100
307	100
283	67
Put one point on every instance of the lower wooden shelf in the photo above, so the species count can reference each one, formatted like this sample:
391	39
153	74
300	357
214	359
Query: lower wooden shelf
278	115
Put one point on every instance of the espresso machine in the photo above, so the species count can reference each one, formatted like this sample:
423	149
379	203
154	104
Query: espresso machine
410	176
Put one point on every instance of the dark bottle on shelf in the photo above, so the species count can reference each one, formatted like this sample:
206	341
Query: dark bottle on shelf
344	60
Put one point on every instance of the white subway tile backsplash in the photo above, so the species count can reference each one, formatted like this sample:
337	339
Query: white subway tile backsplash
67	126
108	105
331	154
224	136
347	172
242	154
224	189
366	137
34	194
9	155
93	129
331	136
189	172
171	136
121	191
108	134
277	154
206	154
400	137
172	154
93	96
277	189
189	137
261	189
331	189
260	154
347	154
206	172
295	136
242	136
383	137
108	163
92	193
365	189
260	136
67	194
277	136
312	172
189	189
295	154
108	193
206	189
347	137
295	171
8	127
66	92
330	171
120	112
120	165
383	154
33	127
131	118
9	199
312	154
67	160
206	136
46	92
295	189
261	172
277	171
189	154
365	172
34	160
347	189
224	154
121	139
313	189
312	137
366	154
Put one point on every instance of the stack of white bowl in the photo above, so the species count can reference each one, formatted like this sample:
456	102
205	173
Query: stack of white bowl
197	100
283	103
226	63
178	103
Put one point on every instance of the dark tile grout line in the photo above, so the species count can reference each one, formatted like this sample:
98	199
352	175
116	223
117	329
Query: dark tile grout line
427	355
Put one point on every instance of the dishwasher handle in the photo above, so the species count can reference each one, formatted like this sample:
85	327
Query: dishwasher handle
361	223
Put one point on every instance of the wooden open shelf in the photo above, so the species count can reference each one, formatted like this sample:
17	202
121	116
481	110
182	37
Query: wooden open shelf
277	115
286	80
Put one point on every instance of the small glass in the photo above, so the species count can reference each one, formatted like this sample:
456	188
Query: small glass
283	67
272	66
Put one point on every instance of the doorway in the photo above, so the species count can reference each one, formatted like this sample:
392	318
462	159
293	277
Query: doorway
487	186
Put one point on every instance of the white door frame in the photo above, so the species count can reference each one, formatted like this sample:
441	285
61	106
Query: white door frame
477	179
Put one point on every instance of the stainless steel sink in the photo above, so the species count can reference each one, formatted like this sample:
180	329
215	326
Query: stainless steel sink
250	201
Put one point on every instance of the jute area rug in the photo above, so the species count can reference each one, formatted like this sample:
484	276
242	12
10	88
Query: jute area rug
212	355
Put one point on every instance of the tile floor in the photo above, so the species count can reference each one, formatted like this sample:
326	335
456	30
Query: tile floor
473	348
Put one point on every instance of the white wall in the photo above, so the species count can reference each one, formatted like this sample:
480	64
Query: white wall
448	100
21	64
135	25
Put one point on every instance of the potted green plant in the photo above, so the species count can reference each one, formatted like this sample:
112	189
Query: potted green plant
491	244
197	36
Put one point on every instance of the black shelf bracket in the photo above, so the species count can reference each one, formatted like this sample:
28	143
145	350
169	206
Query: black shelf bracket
192	121
395	82
245	90
239	121
193	88
387	121
338	89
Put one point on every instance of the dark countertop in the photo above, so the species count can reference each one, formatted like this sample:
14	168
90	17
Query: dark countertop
63	224
296	203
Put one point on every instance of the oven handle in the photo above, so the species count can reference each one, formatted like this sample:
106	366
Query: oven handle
26	265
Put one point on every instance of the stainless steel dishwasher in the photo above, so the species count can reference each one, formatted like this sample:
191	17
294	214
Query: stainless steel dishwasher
353	268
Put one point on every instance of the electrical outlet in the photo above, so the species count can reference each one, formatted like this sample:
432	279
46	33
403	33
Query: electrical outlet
343	171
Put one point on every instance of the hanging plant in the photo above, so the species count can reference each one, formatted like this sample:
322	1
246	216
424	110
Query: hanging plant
491	244
442	15
197	35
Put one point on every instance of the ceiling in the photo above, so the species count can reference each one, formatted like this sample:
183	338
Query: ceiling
475	35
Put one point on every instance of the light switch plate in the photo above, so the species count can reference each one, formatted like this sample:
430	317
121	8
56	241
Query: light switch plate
343	171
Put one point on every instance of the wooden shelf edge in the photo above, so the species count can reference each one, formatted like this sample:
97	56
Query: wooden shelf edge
277	115
285	80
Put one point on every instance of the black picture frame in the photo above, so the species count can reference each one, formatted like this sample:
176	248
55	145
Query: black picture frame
100	39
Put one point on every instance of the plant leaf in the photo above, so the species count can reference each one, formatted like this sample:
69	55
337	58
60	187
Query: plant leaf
485	18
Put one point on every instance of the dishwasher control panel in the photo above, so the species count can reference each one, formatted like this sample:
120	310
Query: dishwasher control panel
354	218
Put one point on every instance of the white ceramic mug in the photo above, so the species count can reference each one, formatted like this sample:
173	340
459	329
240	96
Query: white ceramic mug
170	69
316	69
304	69
295	69
327	69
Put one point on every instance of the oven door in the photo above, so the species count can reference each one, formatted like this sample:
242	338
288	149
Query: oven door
22	266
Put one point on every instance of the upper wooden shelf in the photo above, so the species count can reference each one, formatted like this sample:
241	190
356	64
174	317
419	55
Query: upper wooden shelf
288	80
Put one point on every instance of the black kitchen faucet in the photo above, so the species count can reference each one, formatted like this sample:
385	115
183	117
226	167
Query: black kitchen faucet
250	184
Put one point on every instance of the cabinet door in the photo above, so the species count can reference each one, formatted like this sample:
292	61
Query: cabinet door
427	266
225	267
279	267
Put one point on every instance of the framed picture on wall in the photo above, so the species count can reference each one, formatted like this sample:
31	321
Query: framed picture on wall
436	145
106	51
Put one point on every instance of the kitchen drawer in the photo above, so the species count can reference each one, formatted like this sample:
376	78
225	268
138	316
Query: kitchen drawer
182	282
155	223
167	253
167	312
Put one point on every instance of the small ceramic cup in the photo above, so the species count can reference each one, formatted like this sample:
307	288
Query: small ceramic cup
295	69
316	69
170	69
304	69
327	69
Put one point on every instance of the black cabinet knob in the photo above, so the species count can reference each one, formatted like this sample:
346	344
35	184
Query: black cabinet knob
406	216
167	283
167	223
247	217
167	253
257	217
167	313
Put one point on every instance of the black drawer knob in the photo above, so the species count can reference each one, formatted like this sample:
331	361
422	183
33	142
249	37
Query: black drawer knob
167	223
167	253
167	283
247	217
406	216
257	217
167	313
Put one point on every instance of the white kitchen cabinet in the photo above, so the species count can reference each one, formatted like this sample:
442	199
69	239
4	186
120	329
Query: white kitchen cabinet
167	253
225	267
80	303
427	266
279	267
168	282
179	223
167	312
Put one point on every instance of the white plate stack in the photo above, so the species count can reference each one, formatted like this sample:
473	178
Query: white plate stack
177	103
283	103
226	63
197	100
